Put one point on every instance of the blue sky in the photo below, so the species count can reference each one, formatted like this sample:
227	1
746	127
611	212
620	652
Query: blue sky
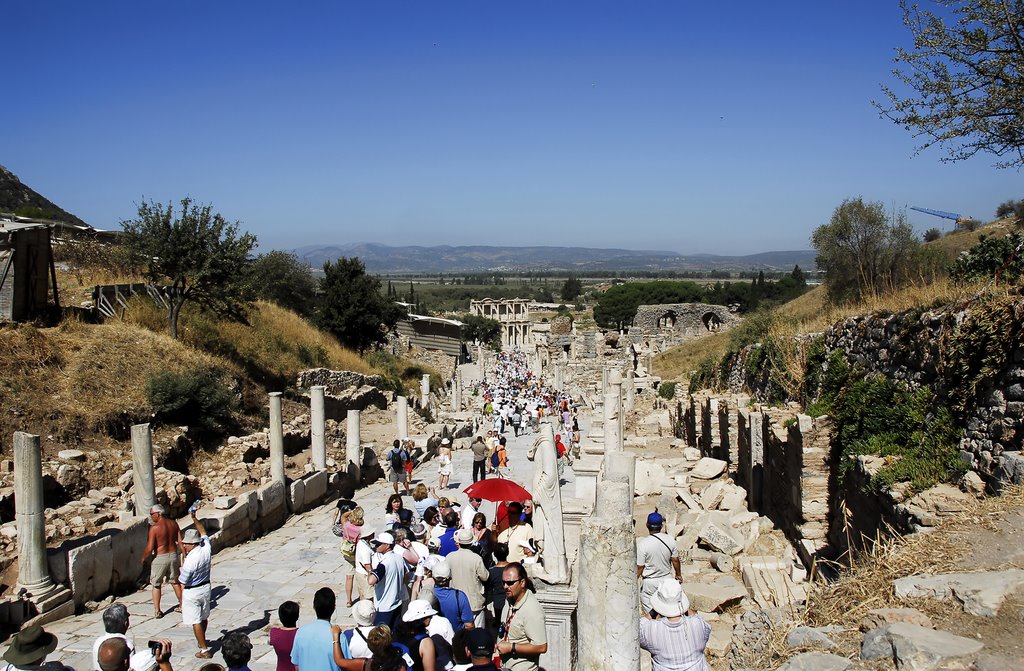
727	128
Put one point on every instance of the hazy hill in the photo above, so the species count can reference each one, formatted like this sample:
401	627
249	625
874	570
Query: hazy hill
447	258
19	199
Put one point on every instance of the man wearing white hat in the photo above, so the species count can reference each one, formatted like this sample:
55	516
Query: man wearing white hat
388	577
354	640
676	635
195	582
469	573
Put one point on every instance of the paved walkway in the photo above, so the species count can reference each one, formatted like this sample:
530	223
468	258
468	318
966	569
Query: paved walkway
251	580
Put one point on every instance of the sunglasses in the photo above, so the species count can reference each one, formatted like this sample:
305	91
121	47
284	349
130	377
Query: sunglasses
511	582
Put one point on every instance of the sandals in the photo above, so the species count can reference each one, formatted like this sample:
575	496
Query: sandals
204	654
158	615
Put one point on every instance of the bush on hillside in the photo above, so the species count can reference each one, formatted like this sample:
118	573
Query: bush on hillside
196	398
932	234
991	257
667	390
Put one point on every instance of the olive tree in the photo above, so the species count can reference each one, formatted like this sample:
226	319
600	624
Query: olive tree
353	307
962	84
203	257
864	251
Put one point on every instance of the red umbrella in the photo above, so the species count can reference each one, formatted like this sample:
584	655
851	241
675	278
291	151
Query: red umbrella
497	489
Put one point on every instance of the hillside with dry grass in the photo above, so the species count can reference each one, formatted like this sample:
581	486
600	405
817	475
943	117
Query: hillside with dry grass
813	313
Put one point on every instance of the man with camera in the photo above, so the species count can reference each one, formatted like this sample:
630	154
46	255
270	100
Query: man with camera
115	655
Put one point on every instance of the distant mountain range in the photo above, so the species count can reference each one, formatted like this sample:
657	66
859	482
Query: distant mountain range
474	259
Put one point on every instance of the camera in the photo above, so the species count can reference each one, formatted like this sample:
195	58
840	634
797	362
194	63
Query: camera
154	646
501	631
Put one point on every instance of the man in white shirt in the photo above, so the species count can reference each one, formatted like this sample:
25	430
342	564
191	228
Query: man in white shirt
194	577
364	564
388	577
469	512
656	559
115	624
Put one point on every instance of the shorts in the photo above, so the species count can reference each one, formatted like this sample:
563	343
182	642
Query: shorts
395	476
361	586
195	604
164	567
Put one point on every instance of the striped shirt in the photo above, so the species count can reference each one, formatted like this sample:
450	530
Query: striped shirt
195	568
676	646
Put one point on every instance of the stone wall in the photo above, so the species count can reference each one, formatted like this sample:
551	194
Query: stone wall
336	381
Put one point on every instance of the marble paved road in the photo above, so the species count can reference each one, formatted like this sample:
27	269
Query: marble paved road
252	579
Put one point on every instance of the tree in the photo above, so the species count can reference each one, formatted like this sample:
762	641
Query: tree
352	306
964	79
202	255
932	234
862	251
280	277
572	288
481	329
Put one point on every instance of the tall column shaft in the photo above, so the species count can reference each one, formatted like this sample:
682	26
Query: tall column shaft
425	391
276	439
143	482
318	427
402	418
630	389
33	573
353	441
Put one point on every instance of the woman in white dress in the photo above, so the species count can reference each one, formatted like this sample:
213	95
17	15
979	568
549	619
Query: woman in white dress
444	464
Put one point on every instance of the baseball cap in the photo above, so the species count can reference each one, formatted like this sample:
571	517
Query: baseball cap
480	642
384	538
442	569
655	519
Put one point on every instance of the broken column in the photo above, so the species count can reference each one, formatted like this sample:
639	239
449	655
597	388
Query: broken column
353	444
613	416
425	391
142	469
402	418
621	467
609	635
33	574
318	427
604	381
457	383
276	439
559	377
630	390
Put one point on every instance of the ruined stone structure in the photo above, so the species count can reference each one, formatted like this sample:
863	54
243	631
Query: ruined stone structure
657	328
512	313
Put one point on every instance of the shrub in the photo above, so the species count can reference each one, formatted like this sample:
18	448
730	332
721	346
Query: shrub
313	355
989	257
932	234
1007	208
667	390
196	398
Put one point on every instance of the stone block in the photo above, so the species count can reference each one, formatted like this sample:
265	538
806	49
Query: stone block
711	496
252	504
715	597
688	499
914	647
89	570
692	524
316	489
709	468
720	641
882	616
297	496
816	661
981	594
809	637
224	502
232	526
650	478
272	505
126	548
733	498
721	538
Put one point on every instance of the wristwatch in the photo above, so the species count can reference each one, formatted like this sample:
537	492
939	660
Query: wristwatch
513	649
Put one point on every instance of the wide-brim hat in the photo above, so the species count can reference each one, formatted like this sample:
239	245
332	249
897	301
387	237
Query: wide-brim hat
669	600
191	537
363	613
367	531
30	645
417	610
464	537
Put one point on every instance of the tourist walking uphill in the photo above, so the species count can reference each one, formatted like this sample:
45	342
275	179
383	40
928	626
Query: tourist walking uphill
195	583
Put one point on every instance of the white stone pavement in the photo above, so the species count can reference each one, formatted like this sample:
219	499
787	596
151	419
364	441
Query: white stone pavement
251	580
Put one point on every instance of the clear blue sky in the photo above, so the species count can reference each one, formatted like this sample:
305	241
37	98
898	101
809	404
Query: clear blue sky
727	128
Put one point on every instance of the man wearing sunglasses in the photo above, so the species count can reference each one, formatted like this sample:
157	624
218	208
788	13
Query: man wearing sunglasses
521	632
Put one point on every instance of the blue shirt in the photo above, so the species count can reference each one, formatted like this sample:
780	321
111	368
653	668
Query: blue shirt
448	544
313	649
454	605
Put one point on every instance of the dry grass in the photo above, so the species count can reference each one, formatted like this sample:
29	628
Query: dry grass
679	362
79	378
868	583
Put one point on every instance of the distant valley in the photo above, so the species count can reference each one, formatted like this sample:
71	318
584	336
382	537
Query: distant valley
474	259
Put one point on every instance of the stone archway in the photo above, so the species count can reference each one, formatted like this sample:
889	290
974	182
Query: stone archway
712	322
667	320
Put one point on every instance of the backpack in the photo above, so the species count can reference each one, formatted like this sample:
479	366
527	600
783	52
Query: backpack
397	460
494	459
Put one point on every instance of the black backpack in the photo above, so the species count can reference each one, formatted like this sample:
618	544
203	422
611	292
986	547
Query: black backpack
397	460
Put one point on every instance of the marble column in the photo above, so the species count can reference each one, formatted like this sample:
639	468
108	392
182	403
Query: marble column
318	427
457	387
353	444
142	469
276	439
621	467
630	390
604	381
402	418
33	573
609	633
425	391
559	378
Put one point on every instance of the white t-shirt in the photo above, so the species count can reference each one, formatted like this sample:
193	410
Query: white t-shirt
99	642
364	556
655	554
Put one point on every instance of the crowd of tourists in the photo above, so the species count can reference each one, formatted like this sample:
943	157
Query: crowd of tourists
430	584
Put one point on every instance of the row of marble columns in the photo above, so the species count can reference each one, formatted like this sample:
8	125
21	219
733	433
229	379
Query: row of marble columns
608	637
